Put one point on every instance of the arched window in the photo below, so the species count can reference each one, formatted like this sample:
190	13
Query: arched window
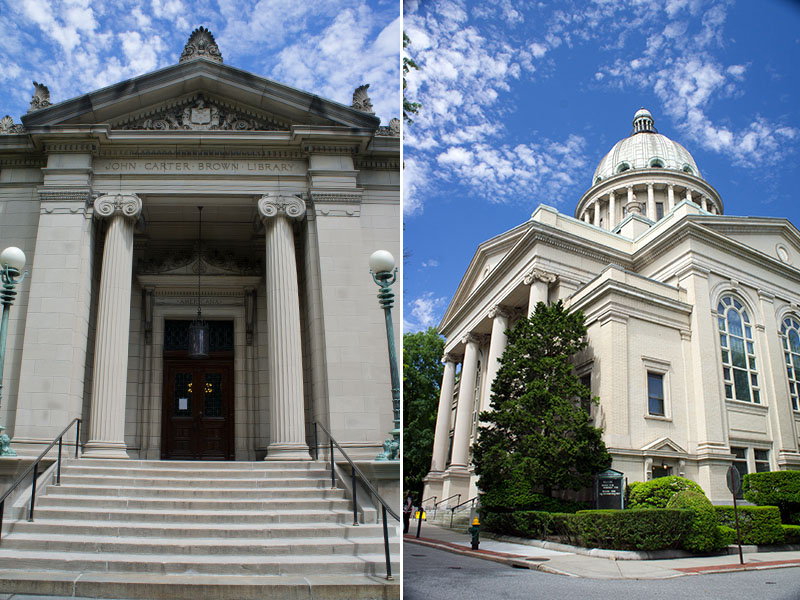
657	163
790	332
738	351
622	167
688	169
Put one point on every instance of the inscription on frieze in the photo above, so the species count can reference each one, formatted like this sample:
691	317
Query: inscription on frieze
195	166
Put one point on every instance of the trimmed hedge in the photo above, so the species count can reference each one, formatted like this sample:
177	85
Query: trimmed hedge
727	535
791	534
657	492
775	488
757	524
704	535
505	501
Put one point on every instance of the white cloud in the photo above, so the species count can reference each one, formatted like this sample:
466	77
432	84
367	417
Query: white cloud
431	263
426	311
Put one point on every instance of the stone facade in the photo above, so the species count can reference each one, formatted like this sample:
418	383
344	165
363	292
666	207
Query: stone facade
692	318
101	193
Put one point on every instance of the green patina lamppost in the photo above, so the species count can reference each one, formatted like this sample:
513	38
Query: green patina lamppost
381	265
12	260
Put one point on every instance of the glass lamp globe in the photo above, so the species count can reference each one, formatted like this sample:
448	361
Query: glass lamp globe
381	261
13	257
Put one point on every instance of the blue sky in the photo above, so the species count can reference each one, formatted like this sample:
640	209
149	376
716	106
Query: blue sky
521	100
327	47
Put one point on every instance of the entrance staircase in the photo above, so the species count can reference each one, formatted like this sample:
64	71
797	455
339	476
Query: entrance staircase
194	530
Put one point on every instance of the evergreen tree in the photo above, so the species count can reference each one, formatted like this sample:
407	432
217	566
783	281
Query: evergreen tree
538	437
422	378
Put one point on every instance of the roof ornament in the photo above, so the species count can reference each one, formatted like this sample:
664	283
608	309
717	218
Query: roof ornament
643	122
8	126
201	44
41	97
361	100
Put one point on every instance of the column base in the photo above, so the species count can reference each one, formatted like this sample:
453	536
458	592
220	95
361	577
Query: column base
287	452
95	449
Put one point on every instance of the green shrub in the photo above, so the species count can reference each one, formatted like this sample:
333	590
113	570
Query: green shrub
703	535
775	488
633	529
727	535
757	524
533	524
515	498
791	534
657	492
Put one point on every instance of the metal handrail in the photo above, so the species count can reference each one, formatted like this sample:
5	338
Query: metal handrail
446	499
428	498
453	508
357	472
35	468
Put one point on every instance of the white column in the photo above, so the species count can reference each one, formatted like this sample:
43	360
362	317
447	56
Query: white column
596	213
497	346
670	196
688	195
651	203
703	203
442	432
110	374
631	197
287	436
587	218
539	282
612	210
466	403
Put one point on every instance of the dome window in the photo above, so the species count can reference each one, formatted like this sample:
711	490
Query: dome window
598	179
688	169
657	163
622	167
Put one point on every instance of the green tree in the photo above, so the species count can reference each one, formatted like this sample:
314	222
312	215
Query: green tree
409	108
538	437
422	378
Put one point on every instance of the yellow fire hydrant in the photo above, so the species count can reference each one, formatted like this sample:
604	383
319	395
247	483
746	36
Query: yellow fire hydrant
475	530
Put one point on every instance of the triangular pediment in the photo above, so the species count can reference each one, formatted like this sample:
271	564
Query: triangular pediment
777	238
196	95
664	444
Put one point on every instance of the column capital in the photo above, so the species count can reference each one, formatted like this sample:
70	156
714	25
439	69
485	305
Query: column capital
274	204
449	358
539	275
127	205
650	185
470	337
500	311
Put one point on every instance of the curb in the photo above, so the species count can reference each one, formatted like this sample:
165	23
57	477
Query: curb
512	560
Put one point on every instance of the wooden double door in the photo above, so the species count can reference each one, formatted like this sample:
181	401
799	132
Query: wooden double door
198	410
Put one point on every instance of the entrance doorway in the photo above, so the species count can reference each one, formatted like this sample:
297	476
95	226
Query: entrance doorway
198	396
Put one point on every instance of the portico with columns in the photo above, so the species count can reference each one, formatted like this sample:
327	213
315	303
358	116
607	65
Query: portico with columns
102	194
661	275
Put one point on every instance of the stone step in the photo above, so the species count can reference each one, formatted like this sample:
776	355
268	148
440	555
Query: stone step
218	505
235	564
208	483
92	543
76	489
194	474
248	530
194	518
158	586
187	465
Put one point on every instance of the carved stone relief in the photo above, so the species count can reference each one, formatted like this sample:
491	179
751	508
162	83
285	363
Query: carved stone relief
361	100
184	262
41	97
201	44
7	126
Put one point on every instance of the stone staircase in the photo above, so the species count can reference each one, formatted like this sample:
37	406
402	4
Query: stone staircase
193	530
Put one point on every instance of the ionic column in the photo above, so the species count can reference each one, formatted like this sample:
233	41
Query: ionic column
284	353
441	437
596	213
612	210
497	346
651	203
540	282
110	374
466	403
670	196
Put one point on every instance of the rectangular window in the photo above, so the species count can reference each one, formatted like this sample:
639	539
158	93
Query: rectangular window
659	210
762	460
740	462
655	393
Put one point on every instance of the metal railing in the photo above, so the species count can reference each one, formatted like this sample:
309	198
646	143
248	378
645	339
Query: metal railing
453	509
436	504
355	474
35	468
422	502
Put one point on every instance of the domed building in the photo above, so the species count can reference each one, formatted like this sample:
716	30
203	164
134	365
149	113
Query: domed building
693	322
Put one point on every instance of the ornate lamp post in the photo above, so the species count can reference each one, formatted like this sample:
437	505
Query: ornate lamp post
12	260
381	264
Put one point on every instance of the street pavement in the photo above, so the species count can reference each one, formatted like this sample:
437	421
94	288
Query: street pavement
576	564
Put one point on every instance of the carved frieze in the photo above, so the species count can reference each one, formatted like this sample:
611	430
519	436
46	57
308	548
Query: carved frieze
184	262
201	114
7	126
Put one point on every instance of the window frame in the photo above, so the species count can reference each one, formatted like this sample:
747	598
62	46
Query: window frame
753	375
663	368
791	322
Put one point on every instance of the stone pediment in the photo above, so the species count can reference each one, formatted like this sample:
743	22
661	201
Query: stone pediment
185	262
777	238
201	113
168	99
663	444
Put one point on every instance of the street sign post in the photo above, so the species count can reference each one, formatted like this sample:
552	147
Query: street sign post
734	481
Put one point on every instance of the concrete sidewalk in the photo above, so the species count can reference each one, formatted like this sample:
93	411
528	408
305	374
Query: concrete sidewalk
576	564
